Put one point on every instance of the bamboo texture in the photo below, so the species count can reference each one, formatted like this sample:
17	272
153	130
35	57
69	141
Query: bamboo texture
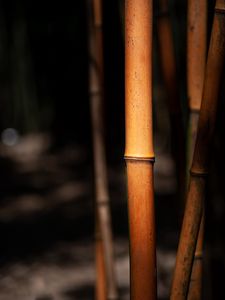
200	164
139	153
106	287
196	59
168	66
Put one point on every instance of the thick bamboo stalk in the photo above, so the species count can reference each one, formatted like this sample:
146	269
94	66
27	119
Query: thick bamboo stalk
106	282
139	154
168	66
200	164
196	58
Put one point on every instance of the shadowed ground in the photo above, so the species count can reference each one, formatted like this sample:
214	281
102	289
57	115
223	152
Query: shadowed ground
46	222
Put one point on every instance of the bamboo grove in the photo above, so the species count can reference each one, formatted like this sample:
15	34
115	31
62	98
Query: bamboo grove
204	75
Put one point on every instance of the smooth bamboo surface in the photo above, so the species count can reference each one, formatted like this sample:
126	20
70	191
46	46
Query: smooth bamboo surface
142	230
196	51
139	153
196	60
106	287
201	158
138	78
168	66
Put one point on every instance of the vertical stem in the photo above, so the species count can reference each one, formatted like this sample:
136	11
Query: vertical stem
195	285
200	164
196	58
100	286
196	51
139	152
106	288
168	65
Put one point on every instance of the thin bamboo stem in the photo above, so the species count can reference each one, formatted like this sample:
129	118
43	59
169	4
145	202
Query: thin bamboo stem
196	51
168	66
196	58
195	285
200	164
106	282
139	154
100	286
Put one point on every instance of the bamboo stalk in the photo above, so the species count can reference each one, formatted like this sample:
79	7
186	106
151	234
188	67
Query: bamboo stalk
196	58
100	286
139	153
195	285
106	279
168	66
200	164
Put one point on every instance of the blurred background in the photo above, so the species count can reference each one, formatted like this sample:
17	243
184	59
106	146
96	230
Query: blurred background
46	160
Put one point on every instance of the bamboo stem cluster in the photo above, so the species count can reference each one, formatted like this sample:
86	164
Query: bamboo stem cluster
203	87
202	151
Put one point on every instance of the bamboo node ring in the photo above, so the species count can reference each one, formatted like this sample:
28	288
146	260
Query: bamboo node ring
199	173
139	159
219	11
198	256
194	110
103	202
95	93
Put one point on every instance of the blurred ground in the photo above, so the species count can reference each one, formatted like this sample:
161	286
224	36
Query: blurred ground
46	222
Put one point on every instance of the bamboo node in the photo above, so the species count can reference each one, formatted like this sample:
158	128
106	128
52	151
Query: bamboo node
102	202
198	173
194	110
137	159
219	11
95	93
198	256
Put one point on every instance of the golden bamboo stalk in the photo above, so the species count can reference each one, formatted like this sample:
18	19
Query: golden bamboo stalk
168	66
106	279
196	59
200	164
139	153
